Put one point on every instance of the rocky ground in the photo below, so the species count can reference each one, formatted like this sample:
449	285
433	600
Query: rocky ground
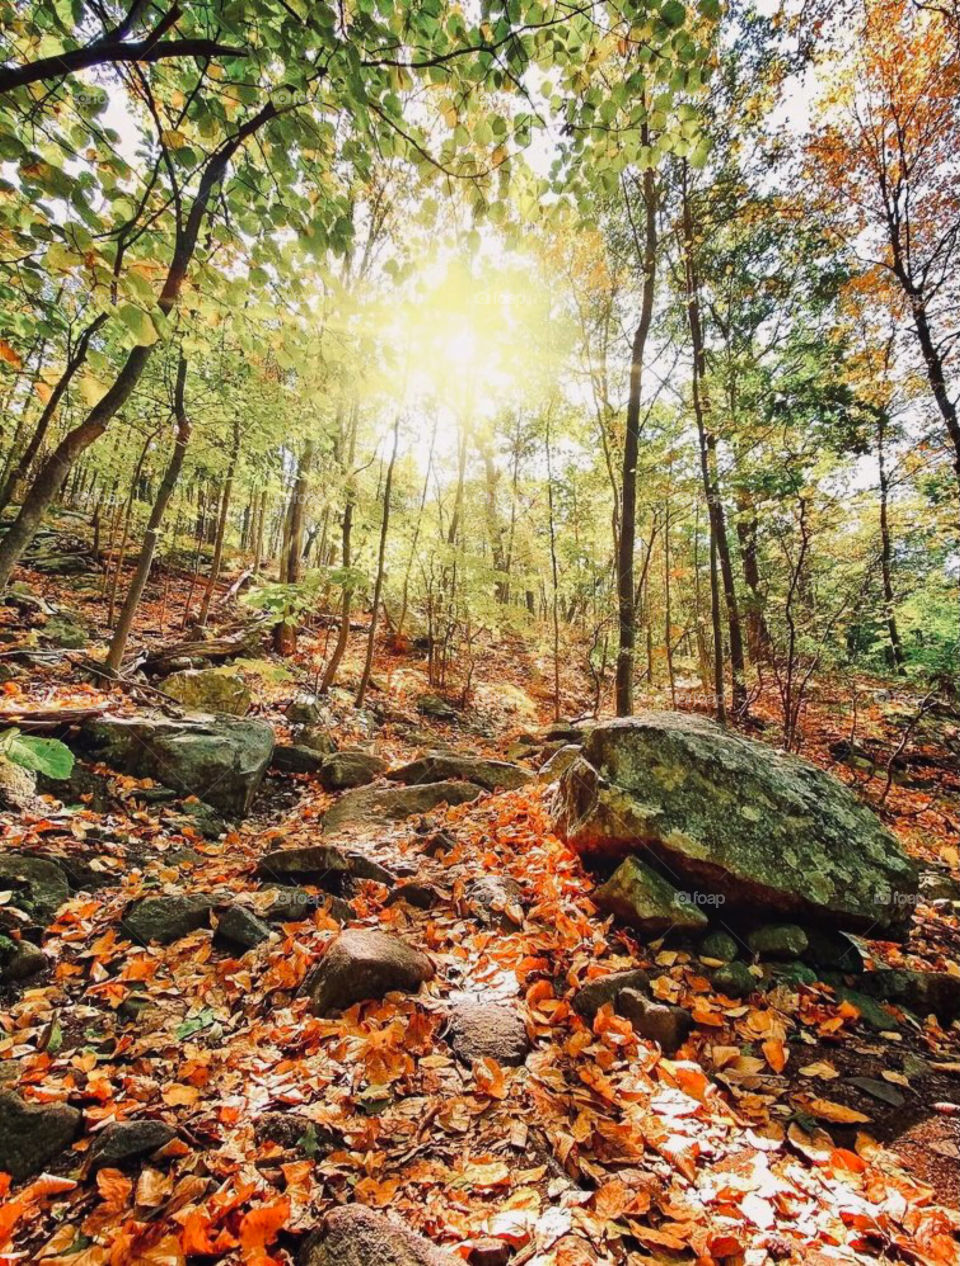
352	999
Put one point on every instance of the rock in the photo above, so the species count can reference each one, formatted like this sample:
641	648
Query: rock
479	1029
489	1252
19	960
420	896
39	886
305	710
564	732
317	739
492	775
321	864
221	761
794	973
595	994
209	690
643	899
434	706
241	928
439	844
937	885
495	901
835	950
166	919
289	1130
296	758
341	770
128	1140
778	940
734	816
355	1235
372	805
359	965
33	1134
921	992
18	788
656	1021
293	905
66	631
734	979
204	818
872	1013
720	945
558	763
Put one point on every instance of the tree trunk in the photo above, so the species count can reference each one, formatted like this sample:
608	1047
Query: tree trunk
147	550
343	634
628	515
886	553
378	583
221	528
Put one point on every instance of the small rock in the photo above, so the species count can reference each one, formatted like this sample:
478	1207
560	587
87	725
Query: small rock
492	775
720	945
289	1130
735	980
495	901
937	885
166	919
595	994
128	1140
794	973
479	1029
439	844
296	758
321	864
643	899
432	705
317	739
371	805
21	961
489	1252
355	1235
32	1134
305	710
656	1021
834	950
39	886
778	940
342	770
421	896
361	964
18	788
241	928
294	904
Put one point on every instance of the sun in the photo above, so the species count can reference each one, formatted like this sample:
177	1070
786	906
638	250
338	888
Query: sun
458	348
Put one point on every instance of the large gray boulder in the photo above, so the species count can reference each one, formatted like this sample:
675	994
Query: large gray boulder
221	760
735	818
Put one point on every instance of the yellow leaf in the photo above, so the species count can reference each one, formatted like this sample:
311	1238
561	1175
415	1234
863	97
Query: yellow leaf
838	1112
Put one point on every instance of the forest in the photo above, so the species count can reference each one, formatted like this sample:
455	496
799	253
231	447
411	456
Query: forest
479	632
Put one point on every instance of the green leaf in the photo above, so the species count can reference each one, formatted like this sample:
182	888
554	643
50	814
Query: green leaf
139	324
674	14
45	756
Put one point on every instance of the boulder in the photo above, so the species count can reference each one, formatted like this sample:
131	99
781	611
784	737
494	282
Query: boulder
420	896
342	770
558	763
495	901
66	631
321	864
241	929
296	758
834	950
166	919
20	960
921	992
778	940
305	710
39	887
432	705
209	690
375	805
361	964
720	945
479	1029
656	1021
492	775
31	1134
128	1140
318	739
735	817
220	760
355	1235
595	994
643	899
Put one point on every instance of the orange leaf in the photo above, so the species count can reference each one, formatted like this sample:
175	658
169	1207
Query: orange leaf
775	1053
259	1227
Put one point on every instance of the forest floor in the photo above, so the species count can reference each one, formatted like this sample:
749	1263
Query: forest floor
786	1128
